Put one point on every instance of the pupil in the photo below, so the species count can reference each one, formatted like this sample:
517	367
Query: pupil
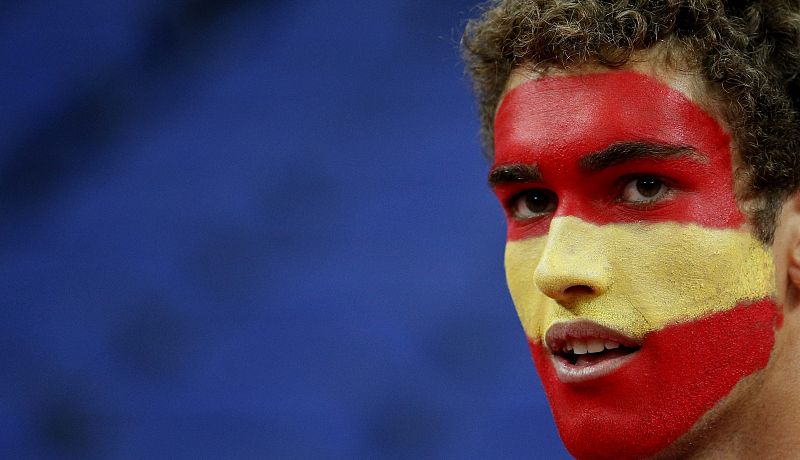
648	187
537	202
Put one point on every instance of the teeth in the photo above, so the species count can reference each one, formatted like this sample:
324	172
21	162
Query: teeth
595	345
581	347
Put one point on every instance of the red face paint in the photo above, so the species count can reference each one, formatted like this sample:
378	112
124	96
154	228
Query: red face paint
553	122
684	369
682	372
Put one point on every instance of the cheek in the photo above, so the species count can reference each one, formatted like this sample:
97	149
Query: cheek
533	307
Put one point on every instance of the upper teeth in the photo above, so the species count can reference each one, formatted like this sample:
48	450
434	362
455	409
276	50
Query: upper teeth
581	347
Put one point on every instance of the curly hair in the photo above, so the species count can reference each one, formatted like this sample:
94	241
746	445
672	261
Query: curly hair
748	50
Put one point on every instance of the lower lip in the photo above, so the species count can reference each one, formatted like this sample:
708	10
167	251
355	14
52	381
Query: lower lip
569	373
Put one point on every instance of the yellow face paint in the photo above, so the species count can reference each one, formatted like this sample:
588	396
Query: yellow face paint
650	275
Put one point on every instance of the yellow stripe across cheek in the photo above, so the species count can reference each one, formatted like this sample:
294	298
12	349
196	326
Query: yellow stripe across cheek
644	277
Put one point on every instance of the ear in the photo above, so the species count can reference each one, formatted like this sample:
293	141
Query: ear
794	268
786	250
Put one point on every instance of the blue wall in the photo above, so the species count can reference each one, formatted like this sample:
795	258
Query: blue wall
252	229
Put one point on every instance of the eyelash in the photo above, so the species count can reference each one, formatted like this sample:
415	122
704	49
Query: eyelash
516	202
666	189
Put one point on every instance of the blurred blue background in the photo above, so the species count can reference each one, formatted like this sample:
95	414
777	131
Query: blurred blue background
252	229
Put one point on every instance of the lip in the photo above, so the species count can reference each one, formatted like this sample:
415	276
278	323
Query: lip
560	333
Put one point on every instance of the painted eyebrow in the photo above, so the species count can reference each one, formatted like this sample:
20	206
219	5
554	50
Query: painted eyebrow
622	152
612	155
514	174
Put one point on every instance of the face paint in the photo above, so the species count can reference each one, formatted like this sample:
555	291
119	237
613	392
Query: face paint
678	375
673	290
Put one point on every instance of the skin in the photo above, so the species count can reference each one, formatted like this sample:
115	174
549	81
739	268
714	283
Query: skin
552	282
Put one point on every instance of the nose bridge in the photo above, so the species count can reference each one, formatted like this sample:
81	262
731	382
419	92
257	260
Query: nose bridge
574	261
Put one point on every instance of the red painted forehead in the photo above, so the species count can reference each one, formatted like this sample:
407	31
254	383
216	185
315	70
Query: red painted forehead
576	115
552	123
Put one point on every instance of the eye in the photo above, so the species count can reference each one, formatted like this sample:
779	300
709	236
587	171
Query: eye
644	189
533	203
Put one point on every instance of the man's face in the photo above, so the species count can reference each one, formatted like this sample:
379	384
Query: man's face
644	297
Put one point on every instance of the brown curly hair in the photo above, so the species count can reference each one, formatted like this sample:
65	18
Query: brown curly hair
748	50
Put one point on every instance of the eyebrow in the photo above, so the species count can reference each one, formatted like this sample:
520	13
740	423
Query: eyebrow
612	155
622	152
514	174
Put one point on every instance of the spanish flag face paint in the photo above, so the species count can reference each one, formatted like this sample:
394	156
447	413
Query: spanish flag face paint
644	298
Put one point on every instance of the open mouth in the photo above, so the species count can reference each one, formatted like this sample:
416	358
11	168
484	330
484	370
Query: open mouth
583	350
589	352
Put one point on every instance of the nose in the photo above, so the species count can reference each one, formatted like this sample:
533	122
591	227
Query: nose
574	263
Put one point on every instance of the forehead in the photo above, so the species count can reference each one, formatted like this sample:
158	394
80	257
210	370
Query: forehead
579	114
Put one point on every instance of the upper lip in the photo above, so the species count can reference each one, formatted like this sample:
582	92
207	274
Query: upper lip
560	334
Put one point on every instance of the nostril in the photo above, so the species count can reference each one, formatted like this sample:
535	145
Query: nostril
579	289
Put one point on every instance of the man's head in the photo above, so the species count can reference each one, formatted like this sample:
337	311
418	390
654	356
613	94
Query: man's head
642	152
748	53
